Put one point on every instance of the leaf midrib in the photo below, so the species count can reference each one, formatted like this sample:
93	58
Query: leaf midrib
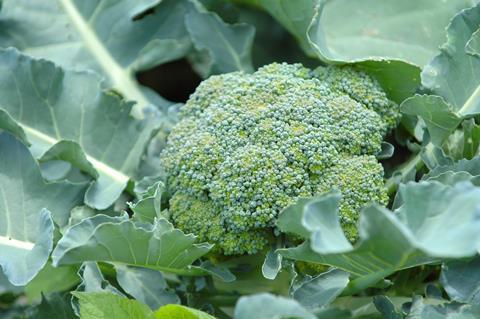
99	166
20	244
121	78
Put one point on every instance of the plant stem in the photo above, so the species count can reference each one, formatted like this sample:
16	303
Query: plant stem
415	162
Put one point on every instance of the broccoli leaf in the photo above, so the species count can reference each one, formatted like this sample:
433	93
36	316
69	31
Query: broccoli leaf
119	38
229	47
28	207
146	285
180	312
51	279
422	308
267	306
64	112
376	29
99	35
53	306
120	240
321	290
102	305
461	280
409	31
419	232
452	77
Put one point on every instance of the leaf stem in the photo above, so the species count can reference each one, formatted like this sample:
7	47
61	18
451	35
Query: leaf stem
414	163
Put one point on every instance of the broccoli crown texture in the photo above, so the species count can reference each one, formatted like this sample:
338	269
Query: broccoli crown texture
248	145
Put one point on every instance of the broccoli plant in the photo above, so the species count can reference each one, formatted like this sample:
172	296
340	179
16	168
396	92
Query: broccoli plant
239	159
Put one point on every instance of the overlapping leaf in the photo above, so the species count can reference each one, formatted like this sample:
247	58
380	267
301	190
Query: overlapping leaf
453	77
100	35
117	38
146	285
120	240
390	39
27	206
65	115
461	280
320	290
409	31
419	231
102	305
105	306
278	307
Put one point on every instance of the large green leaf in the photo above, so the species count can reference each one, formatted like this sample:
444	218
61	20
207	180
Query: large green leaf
180	312
27	206
228	47
461	280
409	30
53	306
321	290
99	35
424	309
116	39
419	231
392	55
453	76
102	305
65	112
120	240
146	285
267	306
105	306
51	279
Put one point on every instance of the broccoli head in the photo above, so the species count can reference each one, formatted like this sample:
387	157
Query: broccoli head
248	145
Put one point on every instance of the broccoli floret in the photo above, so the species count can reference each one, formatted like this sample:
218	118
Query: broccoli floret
248	145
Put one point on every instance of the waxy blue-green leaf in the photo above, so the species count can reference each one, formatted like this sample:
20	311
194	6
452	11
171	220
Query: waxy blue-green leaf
116	39
461	280
453	73
148	206
439	117
409	31
267	306
52	306
51	279
392	55
63	111
452	77
100	35
8	124
272	265
120	240
424	309
472	167
321	290
228	47
28	208
146	285
419	232
94	281
386	308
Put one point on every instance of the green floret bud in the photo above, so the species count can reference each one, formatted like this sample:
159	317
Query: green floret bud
248	145
362	88
200	217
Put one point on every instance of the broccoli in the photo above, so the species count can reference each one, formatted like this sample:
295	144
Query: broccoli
248	145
